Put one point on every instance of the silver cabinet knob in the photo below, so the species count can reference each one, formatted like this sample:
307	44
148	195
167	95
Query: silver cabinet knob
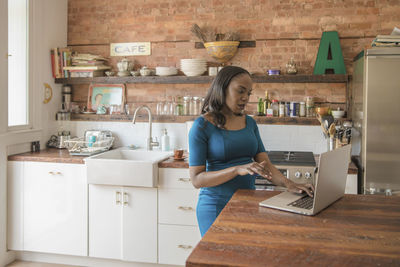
307	175
297	174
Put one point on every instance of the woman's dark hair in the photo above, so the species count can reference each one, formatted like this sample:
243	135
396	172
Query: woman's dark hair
215	98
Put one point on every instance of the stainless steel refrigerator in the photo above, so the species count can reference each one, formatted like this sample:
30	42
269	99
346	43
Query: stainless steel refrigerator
375	107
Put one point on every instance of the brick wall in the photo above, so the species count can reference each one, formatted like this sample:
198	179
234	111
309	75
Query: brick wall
281	29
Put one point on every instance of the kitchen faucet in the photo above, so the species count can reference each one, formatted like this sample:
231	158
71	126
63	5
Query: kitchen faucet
149	140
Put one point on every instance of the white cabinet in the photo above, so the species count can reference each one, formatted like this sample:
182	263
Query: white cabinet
47	207
123	223
351	184
15	224
176	242
177	223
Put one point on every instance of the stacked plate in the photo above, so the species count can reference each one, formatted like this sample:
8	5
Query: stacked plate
193	67
166	71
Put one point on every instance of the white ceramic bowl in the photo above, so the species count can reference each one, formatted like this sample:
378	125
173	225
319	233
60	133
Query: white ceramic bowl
193	73
338	114
166	71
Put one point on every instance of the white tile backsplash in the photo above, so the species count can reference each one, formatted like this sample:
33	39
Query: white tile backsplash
274	137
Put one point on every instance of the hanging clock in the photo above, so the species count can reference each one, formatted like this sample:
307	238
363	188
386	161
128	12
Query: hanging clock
48	93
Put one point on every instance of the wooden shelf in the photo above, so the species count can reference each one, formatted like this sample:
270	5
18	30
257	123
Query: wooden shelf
327	78
242	44
182	119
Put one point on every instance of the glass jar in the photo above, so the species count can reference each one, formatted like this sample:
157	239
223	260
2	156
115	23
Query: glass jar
160	108
186	105
196	105
178	106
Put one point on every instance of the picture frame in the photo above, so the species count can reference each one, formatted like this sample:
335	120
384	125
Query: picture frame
106	95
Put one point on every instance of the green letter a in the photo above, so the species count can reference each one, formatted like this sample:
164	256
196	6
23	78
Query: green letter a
330	58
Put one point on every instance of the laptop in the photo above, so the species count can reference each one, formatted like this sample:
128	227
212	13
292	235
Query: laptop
329	186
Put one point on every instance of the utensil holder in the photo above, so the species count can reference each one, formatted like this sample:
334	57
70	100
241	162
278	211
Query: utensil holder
331	143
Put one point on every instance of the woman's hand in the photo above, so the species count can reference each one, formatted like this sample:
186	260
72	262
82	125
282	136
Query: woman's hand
300	188
254	168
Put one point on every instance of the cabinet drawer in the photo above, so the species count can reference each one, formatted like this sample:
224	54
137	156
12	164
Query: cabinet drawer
176	242
177	206
174	178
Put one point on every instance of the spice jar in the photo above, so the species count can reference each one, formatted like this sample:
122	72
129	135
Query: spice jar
186	105
302	112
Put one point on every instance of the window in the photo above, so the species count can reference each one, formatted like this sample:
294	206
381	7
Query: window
18	75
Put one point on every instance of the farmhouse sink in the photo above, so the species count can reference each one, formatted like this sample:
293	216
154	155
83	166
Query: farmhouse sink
125	167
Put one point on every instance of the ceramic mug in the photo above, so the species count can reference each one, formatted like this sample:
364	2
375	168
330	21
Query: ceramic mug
212	71
178	153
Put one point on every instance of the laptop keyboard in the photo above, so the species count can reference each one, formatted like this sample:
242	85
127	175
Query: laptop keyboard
305	202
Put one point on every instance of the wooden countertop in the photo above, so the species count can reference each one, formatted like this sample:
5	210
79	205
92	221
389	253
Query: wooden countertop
62	156
48	155
357	230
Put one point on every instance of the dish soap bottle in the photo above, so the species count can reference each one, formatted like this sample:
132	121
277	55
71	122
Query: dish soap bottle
165	141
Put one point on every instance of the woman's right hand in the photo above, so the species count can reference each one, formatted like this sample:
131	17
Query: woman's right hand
254	168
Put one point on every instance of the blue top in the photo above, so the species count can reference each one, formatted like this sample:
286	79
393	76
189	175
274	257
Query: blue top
219	149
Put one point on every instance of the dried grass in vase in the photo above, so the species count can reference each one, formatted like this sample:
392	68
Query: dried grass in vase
198	32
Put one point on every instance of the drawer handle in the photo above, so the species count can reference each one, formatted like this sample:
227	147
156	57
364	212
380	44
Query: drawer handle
117	197
184	180
55	173
125	199
186	208
185	246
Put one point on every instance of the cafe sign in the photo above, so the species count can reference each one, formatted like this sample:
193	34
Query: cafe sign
130	49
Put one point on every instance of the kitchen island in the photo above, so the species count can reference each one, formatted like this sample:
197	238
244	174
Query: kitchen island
357	230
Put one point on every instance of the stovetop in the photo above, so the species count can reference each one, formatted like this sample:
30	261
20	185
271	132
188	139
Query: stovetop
292	158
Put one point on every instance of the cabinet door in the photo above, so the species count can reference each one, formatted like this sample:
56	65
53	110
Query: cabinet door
177	206
176	242
139	237
55	210
105	221
15	209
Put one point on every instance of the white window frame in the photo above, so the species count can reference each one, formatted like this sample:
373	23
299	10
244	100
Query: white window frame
30	53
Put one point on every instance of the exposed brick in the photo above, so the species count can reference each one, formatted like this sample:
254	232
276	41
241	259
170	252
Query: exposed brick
281	29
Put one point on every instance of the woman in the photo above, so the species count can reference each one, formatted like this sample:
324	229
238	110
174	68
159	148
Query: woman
226	149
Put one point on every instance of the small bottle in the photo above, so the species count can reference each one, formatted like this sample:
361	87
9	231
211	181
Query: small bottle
165	141
275	108
281	109
260	107
267	103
